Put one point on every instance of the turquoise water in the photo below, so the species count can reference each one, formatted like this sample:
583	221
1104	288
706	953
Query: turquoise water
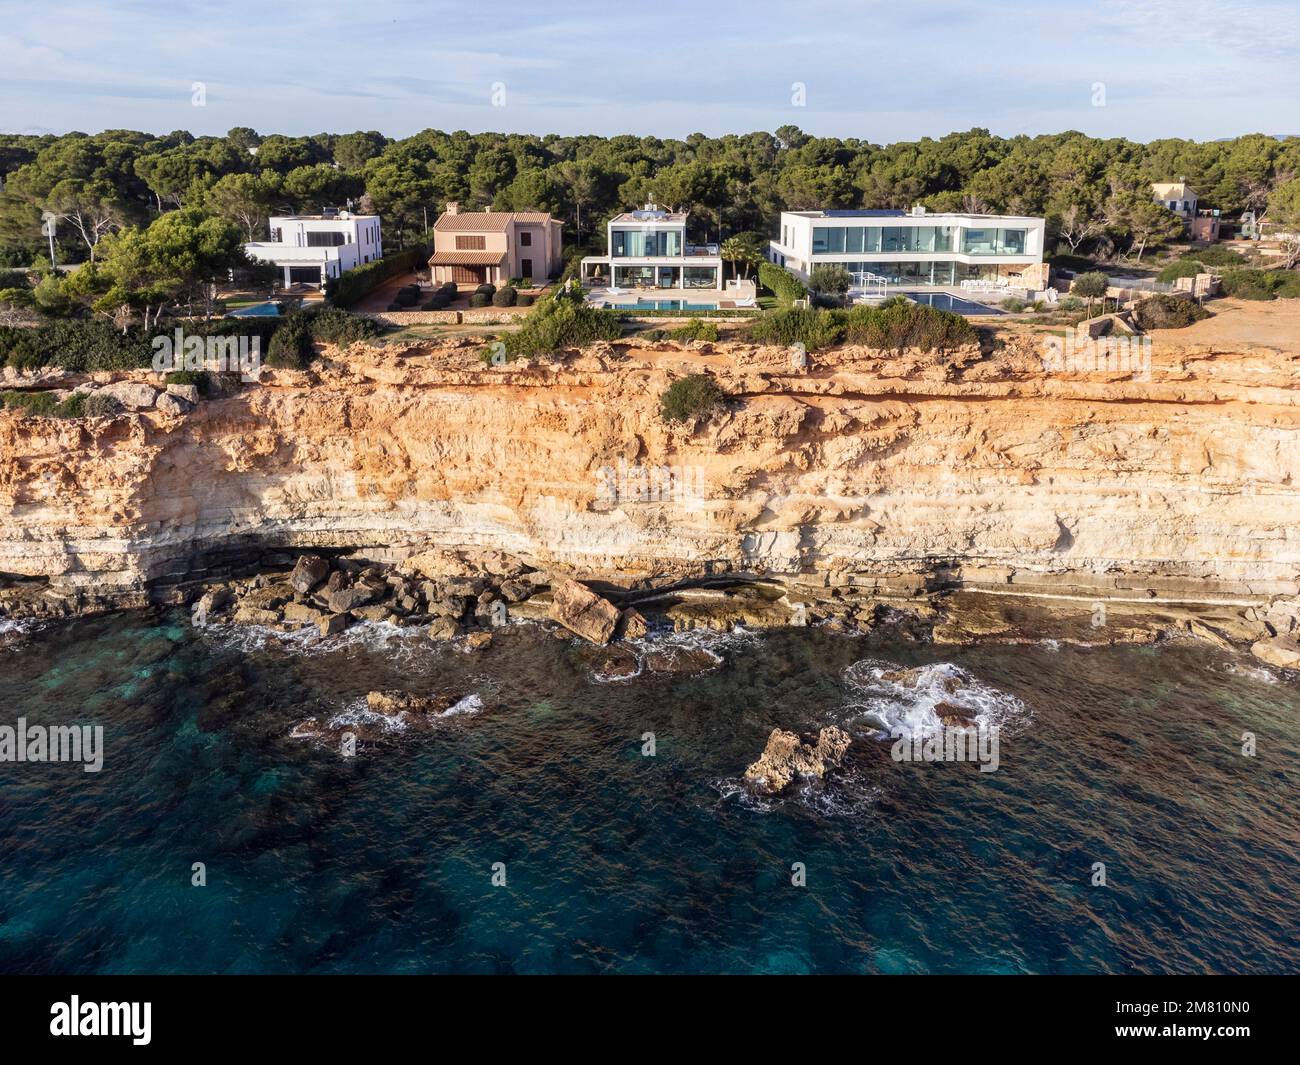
945	301
618	862
256	310
675	305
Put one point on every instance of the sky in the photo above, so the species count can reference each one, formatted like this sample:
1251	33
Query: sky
877	71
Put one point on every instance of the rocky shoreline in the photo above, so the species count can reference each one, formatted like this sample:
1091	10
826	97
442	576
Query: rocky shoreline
451	594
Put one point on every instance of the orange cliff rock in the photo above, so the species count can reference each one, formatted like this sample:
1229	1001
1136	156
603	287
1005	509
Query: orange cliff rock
866	470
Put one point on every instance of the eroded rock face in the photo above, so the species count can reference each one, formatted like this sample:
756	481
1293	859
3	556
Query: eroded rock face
583	612
786	757
873	472
391	703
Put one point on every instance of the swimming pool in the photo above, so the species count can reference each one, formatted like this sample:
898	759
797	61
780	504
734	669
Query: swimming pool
256	310
946	302
672	305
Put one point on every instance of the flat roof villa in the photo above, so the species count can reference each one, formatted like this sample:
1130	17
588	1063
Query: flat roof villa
650	264
916	250
312	248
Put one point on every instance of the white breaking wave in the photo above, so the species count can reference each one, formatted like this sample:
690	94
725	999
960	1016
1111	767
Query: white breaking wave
471	704
902	701
397	641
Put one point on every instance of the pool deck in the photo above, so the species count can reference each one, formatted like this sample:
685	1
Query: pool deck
742	298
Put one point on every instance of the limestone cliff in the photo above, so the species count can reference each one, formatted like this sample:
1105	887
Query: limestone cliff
864	469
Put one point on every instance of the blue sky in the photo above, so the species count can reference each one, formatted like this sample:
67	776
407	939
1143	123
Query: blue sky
878	71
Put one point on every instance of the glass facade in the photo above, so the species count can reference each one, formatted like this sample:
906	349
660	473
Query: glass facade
852	240
666	276
993	241
638	243
922	272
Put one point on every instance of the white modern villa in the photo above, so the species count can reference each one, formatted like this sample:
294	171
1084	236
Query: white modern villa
883	250
650	263
311	249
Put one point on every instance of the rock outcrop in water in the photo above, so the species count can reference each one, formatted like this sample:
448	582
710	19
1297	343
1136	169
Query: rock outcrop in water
786	758
583	612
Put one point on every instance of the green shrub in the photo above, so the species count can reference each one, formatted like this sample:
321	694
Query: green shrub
1215	256
899	324
480	299
689	397
830	281
1261	284
290	347
1166	311
72	407
14	279
437	302
198	378
781	283
1072	304
808	326
1076	264
697	329
333	325
354	284
35	403
1092	285
1180	268
504	297
102	405
1012	304
526	300
562	320
486	289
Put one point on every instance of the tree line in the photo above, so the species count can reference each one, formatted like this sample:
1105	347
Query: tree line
109	190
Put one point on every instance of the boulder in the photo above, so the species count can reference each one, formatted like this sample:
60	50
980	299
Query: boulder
582	611
308	572
209	603
252	615
169	404
346	599
631	625
786	757
443	628
515	590
392	703
332	623
953	716
447	607
1280	651
188	393
302	614
477	641
133	395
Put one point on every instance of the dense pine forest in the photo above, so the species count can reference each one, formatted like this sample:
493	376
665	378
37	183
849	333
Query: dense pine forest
1094	192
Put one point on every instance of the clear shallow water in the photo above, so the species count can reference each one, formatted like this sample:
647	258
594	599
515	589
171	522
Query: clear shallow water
620	863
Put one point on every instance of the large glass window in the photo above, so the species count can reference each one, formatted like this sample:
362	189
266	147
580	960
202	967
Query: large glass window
638	243
700	277
993	241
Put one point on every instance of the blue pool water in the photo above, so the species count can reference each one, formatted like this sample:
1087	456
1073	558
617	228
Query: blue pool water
674	305
619	862
946	302
256	310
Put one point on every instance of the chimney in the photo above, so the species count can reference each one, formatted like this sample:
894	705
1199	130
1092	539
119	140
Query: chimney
453	207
